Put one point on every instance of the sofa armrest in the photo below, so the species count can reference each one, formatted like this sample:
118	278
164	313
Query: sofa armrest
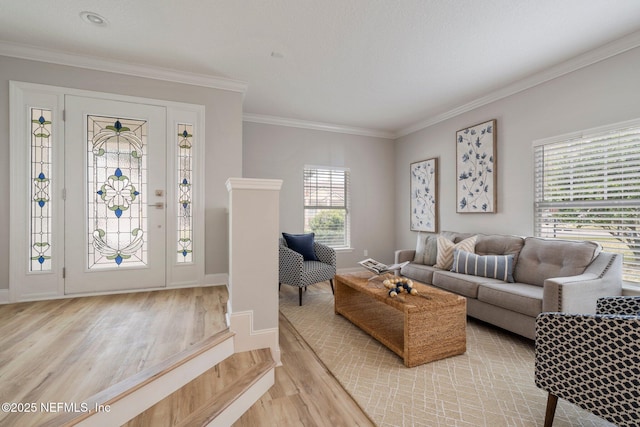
404	255
291	262
579	294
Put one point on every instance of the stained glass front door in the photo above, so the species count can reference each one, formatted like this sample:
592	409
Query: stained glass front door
115	195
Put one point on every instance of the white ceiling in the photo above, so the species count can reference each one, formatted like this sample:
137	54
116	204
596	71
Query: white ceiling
384	65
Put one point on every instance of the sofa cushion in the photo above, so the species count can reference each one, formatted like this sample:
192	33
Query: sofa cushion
461	284
541	259
426	249
455	236
494	266
520	297
446	248
419	272
301	243
498	244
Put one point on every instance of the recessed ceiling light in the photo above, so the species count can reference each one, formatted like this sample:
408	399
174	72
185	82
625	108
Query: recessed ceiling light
93	18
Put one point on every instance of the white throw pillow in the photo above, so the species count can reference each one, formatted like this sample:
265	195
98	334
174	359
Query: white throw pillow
446	248
426	249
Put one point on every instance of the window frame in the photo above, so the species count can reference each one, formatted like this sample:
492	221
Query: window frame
345	207
577	210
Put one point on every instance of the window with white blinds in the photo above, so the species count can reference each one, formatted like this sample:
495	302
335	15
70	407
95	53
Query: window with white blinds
588	187
326	205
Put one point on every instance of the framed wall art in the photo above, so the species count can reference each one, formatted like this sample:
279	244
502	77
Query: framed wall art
424	195
476	168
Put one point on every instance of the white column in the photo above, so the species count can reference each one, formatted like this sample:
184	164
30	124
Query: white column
253	263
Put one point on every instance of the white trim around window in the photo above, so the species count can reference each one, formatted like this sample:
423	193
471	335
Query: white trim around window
587	187
326	205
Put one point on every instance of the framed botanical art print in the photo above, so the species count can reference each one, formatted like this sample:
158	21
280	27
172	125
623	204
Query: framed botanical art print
424	195
476	168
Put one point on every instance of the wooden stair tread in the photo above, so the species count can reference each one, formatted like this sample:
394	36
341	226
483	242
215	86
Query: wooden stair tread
207	396
118	391
209	412
66	350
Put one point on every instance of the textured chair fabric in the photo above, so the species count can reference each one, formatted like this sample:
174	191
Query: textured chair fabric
295	271
592	360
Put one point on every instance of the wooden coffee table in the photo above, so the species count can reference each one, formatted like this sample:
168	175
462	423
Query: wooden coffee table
418	328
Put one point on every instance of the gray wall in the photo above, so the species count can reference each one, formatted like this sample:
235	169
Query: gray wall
281	152
223	140
604	93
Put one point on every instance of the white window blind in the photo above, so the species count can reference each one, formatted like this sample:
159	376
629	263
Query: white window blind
326	205
588	187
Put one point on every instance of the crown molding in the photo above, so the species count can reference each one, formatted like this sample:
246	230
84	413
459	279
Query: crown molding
305	124
93	63
606	51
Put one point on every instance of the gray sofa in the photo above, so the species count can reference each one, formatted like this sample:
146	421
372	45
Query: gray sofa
549	275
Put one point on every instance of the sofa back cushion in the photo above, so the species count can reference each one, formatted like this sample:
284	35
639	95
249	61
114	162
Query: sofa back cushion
456	236
541	259
498	244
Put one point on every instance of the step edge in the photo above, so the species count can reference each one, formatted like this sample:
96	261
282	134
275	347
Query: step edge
210	411
124	388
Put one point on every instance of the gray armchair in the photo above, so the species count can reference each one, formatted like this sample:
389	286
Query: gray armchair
295	271
592	361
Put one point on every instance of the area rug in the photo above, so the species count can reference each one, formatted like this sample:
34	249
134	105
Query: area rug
491	385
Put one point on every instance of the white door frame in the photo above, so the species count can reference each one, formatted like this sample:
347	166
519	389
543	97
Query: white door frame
143	164
26	285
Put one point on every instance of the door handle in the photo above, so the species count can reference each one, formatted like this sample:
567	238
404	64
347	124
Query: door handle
157	205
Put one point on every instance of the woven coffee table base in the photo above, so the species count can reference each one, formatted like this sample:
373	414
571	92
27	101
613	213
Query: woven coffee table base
418	328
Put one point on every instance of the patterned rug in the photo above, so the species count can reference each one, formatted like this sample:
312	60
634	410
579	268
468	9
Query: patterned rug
490	385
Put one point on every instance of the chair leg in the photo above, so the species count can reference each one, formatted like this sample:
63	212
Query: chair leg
331	282
300	295
279	286
552	401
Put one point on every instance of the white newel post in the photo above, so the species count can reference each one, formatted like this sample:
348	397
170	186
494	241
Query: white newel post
253	263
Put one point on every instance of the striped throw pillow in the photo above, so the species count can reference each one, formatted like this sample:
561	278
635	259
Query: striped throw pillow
493	266
446	248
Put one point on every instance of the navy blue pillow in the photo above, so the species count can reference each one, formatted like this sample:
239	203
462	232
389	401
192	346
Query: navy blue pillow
301	243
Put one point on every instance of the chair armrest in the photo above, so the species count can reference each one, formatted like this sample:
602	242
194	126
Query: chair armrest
579	294
403	255
325	253
619	305
291	263
592	361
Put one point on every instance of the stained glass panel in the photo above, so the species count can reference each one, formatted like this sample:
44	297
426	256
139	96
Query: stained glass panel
41	169
117	188
185	218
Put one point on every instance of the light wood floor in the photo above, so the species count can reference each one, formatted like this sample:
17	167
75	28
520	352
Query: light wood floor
70	349
305	392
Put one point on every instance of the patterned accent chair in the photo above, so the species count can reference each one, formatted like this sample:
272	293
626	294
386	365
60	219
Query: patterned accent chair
295	271
592	360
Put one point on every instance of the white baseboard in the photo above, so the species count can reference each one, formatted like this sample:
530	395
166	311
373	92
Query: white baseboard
221	279
247	338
